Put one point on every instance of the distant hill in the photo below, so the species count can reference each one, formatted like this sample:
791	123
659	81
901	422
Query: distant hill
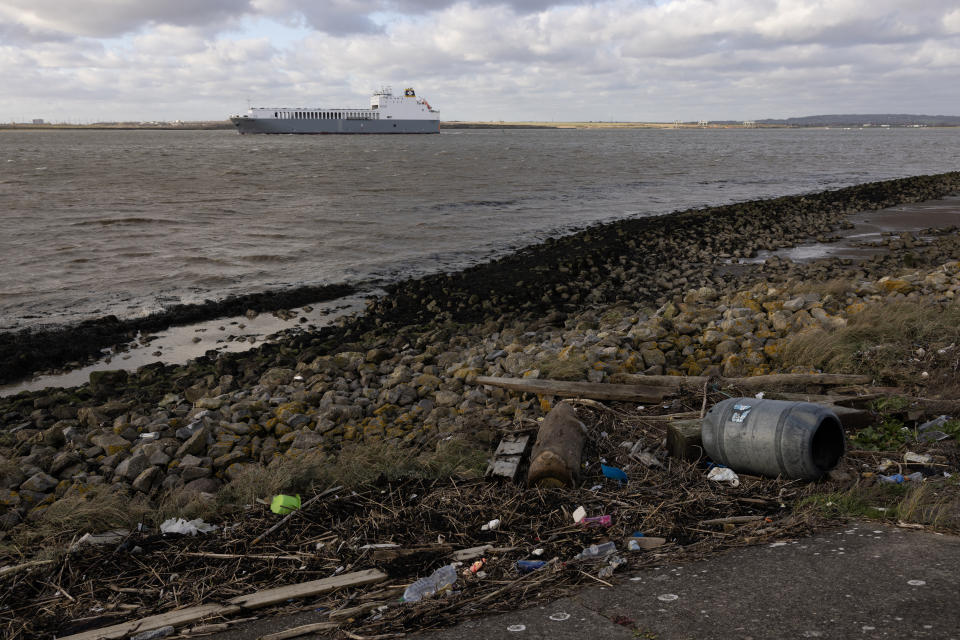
872	119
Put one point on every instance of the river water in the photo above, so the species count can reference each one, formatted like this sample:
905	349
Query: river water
127	222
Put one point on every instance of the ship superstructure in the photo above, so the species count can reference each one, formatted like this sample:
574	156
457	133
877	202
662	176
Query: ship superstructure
387	114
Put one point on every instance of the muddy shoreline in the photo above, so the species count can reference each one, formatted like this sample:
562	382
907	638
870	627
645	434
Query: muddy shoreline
537	285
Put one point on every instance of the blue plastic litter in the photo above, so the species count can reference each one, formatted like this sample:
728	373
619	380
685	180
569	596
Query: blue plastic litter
613	473
636	534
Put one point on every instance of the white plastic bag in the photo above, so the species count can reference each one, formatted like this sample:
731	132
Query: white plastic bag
186	527
724	474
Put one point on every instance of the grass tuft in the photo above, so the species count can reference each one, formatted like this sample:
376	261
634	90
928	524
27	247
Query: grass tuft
893	342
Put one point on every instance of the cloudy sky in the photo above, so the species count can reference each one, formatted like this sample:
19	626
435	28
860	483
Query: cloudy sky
644	60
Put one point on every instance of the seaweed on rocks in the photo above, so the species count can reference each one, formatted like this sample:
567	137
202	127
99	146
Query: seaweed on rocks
31	350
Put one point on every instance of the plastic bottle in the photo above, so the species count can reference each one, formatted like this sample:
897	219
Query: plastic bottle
526	566
440	580
896	478
596	551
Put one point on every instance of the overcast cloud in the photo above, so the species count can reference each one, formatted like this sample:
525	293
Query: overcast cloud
91	60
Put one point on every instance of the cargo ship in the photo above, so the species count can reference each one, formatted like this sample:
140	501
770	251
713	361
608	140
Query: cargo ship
387	114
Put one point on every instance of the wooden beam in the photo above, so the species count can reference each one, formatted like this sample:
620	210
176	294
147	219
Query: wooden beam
254	600
771	381
563	389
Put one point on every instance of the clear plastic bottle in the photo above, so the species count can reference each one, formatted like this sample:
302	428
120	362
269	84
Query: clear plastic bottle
597	551
440	580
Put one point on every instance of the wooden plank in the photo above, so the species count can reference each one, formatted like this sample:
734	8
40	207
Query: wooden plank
512	446
563	389
302	630
255	600
306	589
176	618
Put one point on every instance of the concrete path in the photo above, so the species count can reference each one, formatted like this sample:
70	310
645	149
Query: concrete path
866	581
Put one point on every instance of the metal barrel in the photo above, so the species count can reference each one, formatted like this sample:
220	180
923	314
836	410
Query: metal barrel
796	440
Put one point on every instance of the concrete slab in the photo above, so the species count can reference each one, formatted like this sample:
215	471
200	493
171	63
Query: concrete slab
866	581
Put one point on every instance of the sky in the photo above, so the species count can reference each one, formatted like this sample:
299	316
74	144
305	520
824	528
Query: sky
626	60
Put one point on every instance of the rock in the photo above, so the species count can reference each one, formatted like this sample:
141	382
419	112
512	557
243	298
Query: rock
228	458
111	443
90	417
306	439
795	304
106	382
39	483
63	460
203	485
195	444
132	466
146	479
446	398
210	403
277	376
188	474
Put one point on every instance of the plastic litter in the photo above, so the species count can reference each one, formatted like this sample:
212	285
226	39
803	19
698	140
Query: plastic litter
186	527
612	565
110	537
917	458
724	474
899	478
613	473
437	582
930	431
493	525
597	551
579	514
526	566
283	505
597	521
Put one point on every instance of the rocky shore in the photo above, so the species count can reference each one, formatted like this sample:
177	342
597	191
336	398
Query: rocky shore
653	296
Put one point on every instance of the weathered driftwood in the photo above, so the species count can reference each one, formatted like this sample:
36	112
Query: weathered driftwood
254	600
595	390
647	542
508	456
732	520
386	555
684	440
302	630
769	381
555	461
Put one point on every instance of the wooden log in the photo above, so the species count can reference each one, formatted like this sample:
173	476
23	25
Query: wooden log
555	460
255	600
769	381
684	440
594	390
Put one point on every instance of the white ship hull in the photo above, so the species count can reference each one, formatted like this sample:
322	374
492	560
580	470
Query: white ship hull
387	114
246	125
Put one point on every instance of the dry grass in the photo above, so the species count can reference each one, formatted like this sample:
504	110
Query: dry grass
93	510
893	342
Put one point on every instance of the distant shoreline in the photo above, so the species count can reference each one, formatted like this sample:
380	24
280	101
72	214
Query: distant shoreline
457	124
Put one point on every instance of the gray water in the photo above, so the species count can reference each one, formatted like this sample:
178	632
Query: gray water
126	222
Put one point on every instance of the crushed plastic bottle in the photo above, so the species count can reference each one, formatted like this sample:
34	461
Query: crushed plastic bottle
437	582
597	551
896	478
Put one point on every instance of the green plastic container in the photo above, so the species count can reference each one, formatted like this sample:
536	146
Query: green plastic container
284	504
